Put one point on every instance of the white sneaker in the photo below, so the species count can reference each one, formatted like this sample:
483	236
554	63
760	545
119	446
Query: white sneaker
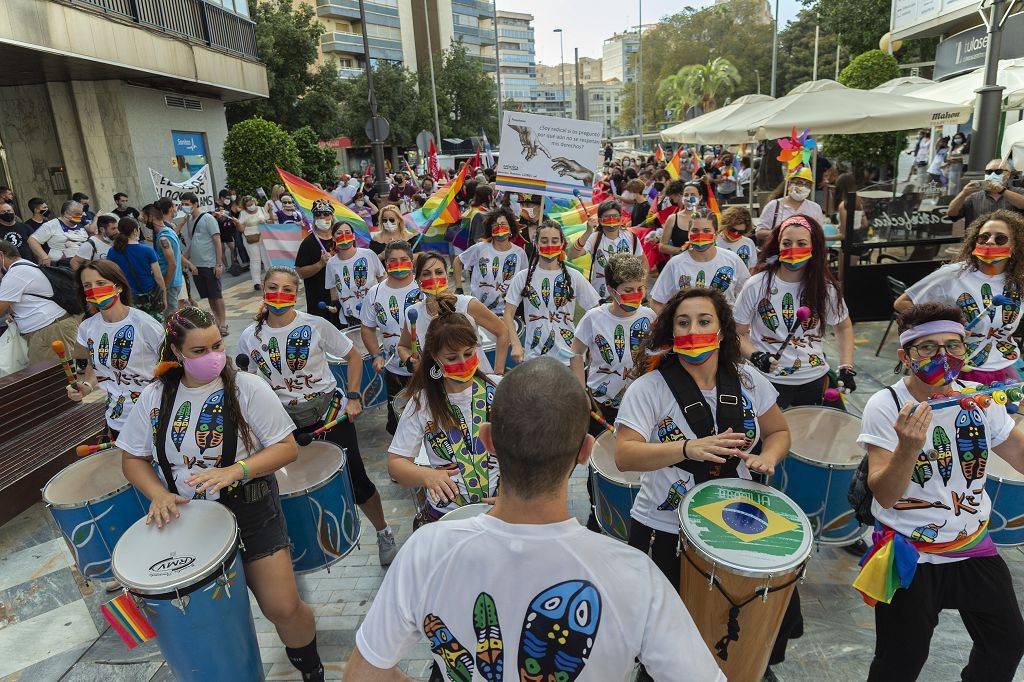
386	547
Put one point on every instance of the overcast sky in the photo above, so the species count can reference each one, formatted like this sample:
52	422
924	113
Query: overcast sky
588	22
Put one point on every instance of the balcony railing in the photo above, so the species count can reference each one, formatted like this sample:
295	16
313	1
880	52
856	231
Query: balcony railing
345	72
198	21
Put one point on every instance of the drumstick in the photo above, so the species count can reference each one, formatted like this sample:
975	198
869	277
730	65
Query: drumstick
58	348
83	450
997	301
305	439
411	316
576	193
600	420
329	308
983	397
803	313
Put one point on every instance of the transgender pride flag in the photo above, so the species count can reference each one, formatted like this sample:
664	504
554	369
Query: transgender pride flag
281	240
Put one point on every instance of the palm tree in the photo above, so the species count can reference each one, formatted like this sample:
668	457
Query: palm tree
673	92
704	82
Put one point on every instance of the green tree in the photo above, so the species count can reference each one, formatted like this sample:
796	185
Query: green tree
251	151
796	53
317	162
397	100
705	83
858	23
466	98
872	150
288	38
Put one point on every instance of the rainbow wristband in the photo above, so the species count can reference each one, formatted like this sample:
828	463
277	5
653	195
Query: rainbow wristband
245	470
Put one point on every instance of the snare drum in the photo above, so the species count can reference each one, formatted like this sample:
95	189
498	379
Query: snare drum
822	461
372	385
93	504
319	506
189	578
746	540
614	490
469	511
1005	487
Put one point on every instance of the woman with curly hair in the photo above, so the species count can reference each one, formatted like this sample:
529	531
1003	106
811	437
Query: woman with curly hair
493	262
793	273
236	435
692	354
989	264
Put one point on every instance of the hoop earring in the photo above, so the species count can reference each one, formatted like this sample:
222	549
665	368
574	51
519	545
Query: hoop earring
436	372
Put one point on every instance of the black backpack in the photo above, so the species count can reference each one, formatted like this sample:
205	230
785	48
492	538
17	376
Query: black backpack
64	285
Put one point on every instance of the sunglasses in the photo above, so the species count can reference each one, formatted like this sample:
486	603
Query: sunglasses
997	239
996	170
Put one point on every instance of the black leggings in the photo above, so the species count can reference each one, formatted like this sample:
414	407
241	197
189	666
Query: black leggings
661	547
981	590
394	384
344	436
811	393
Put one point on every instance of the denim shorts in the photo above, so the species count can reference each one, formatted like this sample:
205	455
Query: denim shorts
257	507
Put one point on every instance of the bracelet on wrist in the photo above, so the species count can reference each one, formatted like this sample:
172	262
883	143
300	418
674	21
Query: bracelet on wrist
686	442
245	469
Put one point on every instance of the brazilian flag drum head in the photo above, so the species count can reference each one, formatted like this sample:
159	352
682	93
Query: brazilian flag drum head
746	527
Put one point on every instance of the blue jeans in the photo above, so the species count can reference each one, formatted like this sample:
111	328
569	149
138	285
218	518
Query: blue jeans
240	252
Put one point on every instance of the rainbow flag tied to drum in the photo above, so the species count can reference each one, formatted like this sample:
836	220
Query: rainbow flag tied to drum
127	621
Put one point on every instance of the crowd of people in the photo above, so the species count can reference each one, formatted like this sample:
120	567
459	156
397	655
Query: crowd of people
689	332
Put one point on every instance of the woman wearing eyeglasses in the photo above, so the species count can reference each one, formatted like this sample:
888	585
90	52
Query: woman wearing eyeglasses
987	266
701	264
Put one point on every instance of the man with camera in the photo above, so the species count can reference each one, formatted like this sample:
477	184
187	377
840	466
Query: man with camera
979	197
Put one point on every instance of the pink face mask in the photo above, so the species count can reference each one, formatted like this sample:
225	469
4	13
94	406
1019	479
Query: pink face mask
206	367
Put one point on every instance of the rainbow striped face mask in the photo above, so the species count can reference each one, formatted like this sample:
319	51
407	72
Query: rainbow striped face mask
991	254
101	297
279	301
701	241
434	285
695	349
796	257
629	302
344	241
550	252
938	370
500	232
611	223
400	269
461	372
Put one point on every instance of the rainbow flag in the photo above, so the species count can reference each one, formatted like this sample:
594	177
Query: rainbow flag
440	208
305	194
659	154
675	163
127	621
712	201
568	212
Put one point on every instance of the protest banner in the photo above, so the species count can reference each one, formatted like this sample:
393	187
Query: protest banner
201	184
548	155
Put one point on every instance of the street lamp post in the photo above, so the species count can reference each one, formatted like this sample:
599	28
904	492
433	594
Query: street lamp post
376	143
758	75
775	45
497	61
430	59
561	68
639	69
987	111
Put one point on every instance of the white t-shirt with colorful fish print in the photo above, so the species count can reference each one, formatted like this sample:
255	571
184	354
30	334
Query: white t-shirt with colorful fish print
611	341
352	279
424	318
650	408
991	339
550	313
492	271
626	242
945	496
772	316
477	469
532	602
123	355
384	311
725	272
195	435
744	247
293	359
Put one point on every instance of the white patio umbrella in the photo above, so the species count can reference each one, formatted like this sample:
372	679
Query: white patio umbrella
1013	144
831	111
903	85
680	131
961	89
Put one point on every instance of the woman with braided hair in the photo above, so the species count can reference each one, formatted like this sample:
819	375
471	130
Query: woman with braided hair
610	238
549	292
220	435
288	349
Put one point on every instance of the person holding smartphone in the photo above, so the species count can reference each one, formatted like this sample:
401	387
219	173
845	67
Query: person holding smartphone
979	197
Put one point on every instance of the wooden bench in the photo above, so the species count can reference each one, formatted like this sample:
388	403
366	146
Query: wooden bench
39	430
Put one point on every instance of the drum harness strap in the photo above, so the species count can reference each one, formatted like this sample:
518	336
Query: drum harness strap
729	413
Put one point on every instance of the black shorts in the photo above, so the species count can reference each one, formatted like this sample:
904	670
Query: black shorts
207	283
257	508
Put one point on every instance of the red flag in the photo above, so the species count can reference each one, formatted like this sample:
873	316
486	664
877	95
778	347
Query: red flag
408	169
712	201
433	166
476	160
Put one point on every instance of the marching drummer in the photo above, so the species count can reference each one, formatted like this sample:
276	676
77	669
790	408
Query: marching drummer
220	435
550	292
701	264
989	263
450	397
288	349
691	357
792	292
525	580
926	470
610	238
432	277
350	273
122	342
734	230
384	310
493	261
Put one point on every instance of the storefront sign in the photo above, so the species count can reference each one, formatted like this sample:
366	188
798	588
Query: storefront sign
965	51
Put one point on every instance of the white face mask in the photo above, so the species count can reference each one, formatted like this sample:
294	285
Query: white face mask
799	193
251	209
323	223
233	197
389	225
628	196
